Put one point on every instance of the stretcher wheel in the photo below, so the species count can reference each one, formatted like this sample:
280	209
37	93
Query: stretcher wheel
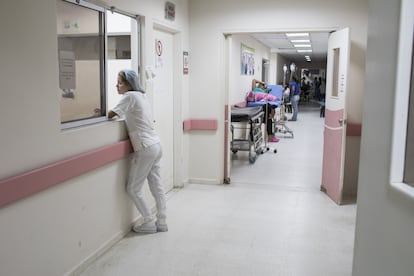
275	150
234	151
226	180
252	159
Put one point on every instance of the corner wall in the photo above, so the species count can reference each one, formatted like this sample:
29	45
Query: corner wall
385	218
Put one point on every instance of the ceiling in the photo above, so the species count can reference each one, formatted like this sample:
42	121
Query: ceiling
280	43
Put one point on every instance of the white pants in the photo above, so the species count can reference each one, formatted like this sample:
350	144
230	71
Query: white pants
145	164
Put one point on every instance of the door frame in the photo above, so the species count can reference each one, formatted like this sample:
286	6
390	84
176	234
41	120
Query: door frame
177	98
226	71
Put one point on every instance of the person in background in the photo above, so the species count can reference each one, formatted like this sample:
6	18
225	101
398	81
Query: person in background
286	99
318	89
294	97
270	112
146	159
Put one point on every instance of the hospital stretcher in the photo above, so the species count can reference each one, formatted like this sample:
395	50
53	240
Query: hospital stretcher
246	131
279	121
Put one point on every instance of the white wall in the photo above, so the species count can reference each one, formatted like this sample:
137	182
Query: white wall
241	84
54	231
210	19
280	62
384	243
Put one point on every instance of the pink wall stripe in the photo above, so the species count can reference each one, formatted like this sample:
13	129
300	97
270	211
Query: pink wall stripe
199	124
26	184
353	129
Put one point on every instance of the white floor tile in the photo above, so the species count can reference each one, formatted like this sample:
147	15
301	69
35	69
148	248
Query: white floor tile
272	219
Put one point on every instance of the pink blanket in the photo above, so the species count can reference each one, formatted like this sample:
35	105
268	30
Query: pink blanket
260	97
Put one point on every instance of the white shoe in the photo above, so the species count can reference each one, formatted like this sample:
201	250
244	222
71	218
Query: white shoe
161	226
147	228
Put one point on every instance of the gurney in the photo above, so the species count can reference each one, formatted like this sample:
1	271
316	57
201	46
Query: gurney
247	121
280	121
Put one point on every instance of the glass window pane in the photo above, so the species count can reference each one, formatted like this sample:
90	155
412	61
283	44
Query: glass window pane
122	53
335	74
80	47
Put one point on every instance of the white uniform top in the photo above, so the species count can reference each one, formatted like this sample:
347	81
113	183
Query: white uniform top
138	118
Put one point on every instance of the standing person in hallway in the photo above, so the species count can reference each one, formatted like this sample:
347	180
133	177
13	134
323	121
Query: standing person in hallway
294	97
145	163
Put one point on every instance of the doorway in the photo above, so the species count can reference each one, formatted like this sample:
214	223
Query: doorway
230	97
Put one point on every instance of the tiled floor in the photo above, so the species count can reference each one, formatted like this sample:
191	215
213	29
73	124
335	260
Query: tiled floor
271	220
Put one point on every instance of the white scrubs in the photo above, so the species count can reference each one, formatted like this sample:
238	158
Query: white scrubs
145	163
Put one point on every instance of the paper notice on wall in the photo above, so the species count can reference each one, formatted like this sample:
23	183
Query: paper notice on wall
67	70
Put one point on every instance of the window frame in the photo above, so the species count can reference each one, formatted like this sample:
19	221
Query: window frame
102	70
103	33
403	86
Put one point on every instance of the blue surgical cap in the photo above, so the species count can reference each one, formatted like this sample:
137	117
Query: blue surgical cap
133	80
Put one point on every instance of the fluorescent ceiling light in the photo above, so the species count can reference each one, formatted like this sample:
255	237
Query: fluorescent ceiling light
300	41
302	45
304	50
297	34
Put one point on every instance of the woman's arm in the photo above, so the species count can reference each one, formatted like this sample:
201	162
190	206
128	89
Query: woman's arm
111	114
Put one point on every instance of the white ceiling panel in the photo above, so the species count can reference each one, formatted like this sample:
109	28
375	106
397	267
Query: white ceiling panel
280	43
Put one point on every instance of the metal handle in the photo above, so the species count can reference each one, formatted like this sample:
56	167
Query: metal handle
342	121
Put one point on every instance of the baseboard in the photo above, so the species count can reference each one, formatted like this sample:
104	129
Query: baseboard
98	253
205	181
113	241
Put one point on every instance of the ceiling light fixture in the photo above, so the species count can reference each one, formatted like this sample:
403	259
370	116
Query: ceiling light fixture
302	45
296	34
300	41
304	50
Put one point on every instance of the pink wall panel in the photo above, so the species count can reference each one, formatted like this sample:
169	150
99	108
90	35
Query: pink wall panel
26	184
199	124
332	163
353	129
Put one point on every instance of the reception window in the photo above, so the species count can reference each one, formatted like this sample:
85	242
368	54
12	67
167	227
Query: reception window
94	43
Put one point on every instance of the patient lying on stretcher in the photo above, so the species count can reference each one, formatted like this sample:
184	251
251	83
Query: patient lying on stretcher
260	97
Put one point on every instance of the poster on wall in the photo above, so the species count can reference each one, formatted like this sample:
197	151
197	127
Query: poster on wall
185	63
247	60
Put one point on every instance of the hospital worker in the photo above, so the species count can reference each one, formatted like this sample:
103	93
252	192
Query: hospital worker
145	162
294	97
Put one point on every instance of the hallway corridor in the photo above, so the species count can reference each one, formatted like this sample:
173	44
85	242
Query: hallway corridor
272	219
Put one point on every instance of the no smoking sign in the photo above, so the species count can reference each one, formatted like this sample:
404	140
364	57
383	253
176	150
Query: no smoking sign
158	47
